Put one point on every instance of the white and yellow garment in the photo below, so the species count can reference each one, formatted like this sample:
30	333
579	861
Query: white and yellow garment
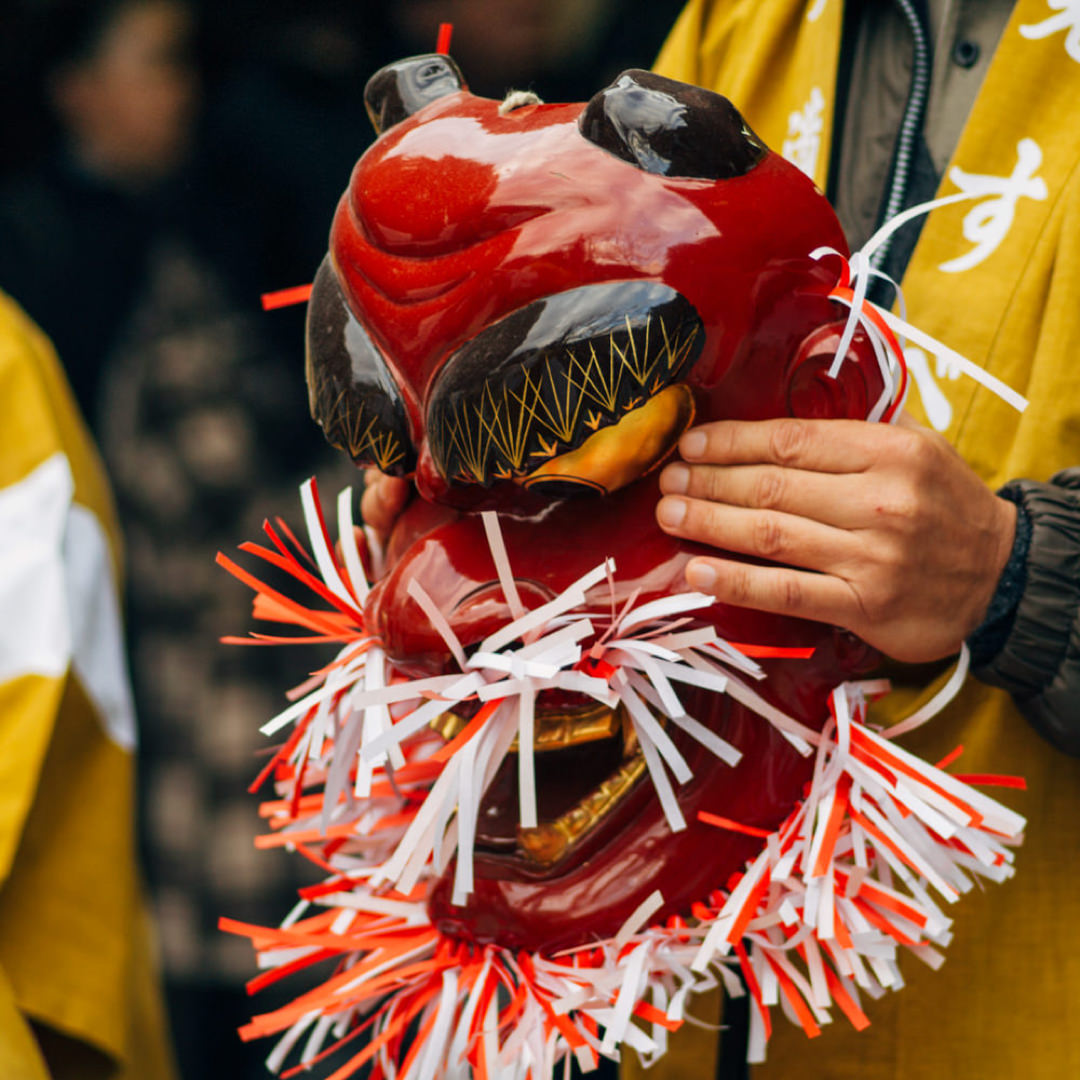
75	962
997	279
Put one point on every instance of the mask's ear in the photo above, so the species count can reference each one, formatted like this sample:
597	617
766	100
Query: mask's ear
400	89
814	395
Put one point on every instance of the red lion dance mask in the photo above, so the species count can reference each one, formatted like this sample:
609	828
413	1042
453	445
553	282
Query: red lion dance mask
554	792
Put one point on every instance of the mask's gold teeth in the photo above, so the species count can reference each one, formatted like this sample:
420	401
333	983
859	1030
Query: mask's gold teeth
448	724
548	843
554	730
629	734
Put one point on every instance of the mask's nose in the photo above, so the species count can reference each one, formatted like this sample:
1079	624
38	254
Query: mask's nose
548	552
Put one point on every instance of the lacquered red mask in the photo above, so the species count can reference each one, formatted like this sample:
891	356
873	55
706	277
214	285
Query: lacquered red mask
523	308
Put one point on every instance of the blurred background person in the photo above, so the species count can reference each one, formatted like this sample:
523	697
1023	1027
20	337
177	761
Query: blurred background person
74	228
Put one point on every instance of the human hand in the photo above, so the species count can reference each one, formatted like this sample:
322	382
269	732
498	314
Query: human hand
383	500
906	540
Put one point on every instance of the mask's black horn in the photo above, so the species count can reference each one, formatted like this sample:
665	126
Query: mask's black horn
667	127
403	88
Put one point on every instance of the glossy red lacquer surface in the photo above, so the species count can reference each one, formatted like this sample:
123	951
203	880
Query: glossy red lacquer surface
455	218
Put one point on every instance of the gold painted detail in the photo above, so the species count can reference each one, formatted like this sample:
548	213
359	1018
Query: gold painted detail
552	730
518	420
616	456
362	435
550	841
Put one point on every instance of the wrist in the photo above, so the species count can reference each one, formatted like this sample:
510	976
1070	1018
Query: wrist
988	638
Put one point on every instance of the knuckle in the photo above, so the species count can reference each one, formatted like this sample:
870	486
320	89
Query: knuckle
865	611
900	562
787	441
373	508
768	536
768	489
791	593
710	481
919	451
724	438
740	590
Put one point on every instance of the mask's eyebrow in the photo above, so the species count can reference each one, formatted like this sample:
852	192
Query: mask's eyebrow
351	392
544	378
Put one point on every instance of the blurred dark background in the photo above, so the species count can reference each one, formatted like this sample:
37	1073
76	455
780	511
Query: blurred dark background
162	163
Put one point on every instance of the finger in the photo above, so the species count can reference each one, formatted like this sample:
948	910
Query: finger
825	497
383	502
833	446
820	597
906	420
765	534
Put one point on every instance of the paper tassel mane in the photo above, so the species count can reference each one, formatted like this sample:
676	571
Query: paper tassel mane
373	796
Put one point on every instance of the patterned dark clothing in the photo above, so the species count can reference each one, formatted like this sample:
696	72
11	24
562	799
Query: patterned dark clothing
206	432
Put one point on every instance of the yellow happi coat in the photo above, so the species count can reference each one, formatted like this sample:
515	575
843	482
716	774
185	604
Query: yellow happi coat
74	953
998	280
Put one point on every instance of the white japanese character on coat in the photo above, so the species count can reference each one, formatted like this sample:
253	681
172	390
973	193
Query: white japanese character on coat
987	224
805	126
1068	19
938	408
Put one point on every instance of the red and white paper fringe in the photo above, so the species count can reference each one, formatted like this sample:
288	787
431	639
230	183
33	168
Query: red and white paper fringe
381	803
889	333
850	877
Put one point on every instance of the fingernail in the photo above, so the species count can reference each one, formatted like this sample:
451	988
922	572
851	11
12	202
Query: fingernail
700	575
671	512
692	444
675	479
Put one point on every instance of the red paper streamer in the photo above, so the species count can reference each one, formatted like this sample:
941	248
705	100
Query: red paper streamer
732	826
298	294
774	652
993	780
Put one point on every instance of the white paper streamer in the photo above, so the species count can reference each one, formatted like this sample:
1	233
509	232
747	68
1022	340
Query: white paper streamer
638	917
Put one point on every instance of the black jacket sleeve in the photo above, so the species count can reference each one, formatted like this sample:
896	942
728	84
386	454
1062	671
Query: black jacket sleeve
1036	656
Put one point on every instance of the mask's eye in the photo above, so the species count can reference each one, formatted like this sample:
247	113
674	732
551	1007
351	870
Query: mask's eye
671	128
398	90
576	393
351	393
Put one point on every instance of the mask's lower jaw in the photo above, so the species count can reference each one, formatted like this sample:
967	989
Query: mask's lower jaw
590	887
